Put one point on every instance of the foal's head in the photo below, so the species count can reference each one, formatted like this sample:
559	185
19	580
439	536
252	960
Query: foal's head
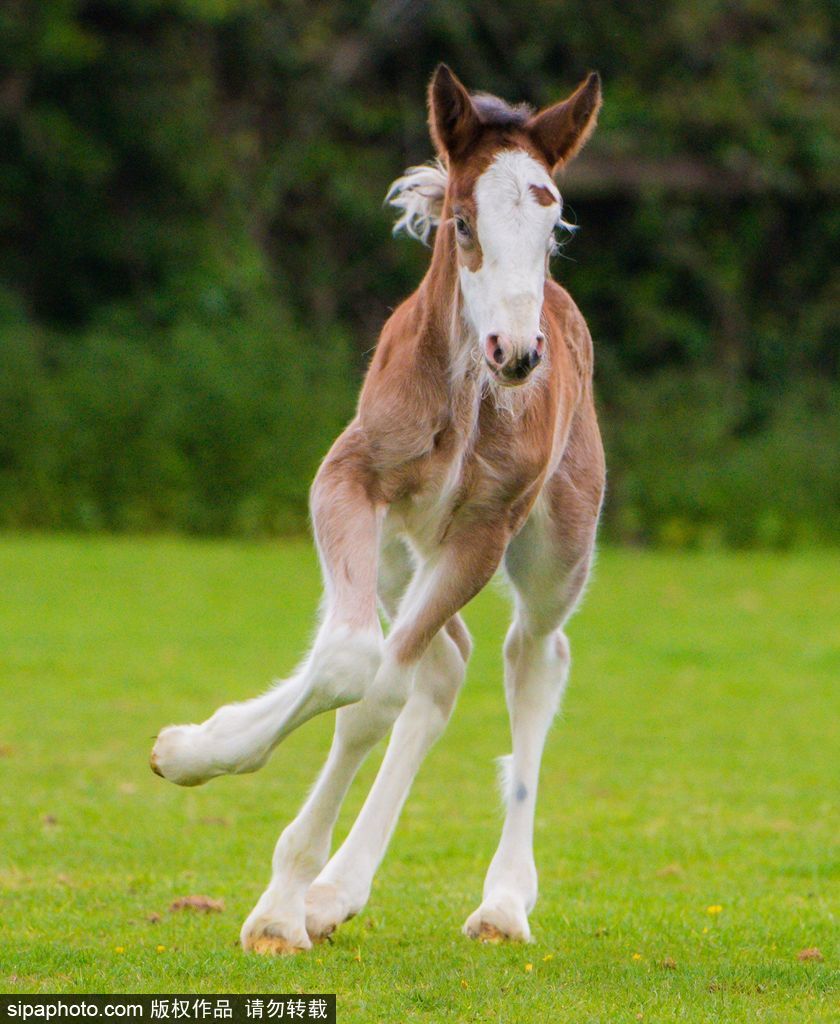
501	206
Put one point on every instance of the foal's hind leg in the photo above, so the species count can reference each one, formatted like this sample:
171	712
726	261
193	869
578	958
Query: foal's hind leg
548	571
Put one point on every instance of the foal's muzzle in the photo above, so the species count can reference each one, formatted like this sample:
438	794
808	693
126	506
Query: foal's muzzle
508	363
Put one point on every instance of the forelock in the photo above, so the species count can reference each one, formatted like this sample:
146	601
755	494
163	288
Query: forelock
495	113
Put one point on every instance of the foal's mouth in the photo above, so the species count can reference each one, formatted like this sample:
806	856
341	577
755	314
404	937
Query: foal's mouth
511	381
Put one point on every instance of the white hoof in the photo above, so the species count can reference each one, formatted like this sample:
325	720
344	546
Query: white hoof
180	755
500	918
327	907
191	754
273	931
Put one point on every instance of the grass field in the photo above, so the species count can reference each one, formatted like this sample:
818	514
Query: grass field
694	767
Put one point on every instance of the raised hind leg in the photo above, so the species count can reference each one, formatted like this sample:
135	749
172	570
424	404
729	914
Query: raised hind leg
548	563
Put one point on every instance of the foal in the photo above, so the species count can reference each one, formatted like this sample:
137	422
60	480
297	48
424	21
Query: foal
475	443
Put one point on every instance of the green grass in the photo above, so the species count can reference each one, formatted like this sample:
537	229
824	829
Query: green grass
695	764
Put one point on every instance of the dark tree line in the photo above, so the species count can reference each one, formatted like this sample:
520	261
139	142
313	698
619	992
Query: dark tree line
195	261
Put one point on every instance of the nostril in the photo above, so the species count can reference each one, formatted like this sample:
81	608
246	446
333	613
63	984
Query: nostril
493	348
540	344
534	357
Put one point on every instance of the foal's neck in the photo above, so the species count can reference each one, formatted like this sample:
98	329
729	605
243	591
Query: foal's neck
444	328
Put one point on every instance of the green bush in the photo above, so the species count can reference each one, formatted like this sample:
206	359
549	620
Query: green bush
688	468
211	426
195	262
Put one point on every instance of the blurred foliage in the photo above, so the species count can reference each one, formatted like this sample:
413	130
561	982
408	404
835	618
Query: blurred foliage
195	262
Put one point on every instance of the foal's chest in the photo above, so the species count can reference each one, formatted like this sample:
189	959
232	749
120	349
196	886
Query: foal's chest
440	490
474	470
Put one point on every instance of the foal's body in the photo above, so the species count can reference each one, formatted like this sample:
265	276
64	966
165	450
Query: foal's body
475	443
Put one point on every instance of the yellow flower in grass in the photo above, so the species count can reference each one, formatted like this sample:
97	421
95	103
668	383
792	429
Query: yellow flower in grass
715	908
637	956
119	949
160	949
529	967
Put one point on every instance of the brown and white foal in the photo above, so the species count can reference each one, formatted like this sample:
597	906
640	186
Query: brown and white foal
475	444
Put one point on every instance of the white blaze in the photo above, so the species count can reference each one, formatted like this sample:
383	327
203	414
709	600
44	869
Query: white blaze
505	295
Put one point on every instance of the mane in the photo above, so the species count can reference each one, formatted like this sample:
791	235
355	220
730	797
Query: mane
418	194
495	113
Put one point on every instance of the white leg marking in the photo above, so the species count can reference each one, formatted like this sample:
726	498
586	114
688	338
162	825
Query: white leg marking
536	668
239	738
343	887
278	922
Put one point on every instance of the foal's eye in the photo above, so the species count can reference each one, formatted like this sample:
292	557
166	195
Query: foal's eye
463	229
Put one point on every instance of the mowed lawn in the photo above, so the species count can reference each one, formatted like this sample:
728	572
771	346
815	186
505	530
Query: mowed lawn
687	824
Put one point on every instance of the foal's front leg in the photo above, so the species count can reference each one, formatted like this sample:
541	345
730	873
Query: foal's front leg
291	912
438	590
344	659
440	587
342	888
548	571
276	924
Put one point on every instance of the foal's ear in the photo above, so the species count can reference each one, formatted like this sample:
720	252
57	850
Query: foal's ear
453	121
561	131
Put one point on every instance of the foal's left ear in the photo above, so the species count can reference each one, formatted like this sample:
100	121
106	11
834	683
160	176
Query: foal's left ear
560	131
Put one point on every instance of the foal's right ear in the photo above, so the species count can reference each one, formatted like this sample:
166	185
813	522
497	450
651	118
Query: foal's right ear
453	121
